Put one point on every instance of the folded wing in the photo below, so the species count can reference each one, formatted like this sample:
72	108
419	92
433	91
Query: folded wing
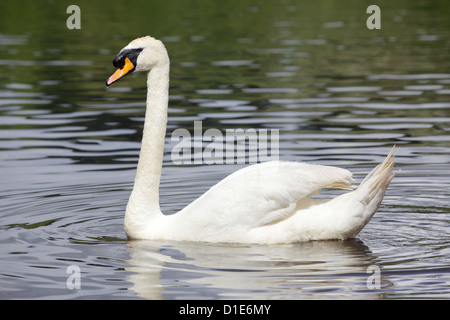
264	194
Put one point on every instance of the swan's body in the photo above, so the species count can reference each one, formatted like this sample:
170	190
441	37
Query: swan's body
262	203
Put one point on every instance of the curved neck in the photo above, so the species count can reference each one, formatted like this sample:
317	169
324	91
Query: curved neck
144	199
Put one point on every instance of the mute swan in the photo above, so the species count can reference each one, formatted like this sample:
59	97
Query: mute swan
263	203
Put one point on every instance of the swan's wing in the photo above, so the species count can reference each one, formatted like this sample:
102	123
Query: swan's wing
265	193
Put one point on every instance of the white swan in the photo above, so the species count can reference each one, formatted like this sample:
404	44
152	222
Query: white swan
262	203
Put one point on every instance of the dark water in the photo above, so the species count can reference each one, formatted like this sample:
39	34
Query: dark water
339	94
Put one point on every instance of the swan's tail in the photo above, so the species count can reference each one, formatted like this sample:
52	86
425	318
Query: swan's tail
372	188
359	206
379	178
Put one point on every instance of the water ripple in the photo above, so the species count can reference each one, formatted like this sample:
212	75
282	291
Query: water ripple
338	94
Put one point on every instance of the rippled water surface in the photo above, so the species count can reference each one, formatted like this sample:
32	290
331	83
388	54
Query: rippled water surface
339	94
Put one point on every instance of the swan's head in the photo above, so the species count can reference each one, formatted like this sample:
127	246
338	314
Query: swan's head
141	54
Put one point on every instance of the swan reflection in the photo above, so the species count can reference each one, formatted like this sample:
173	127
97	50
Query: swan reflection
169	270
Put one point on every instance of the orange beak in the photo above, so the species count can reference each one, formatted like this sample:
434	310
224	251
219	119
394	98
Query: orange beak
120	72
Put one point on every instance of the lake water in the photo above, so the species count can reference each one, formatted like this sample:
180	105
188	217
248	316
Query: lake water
339	94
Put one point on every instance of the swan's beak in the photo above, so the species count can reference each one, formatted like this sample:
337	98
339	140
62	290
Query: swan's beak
121	72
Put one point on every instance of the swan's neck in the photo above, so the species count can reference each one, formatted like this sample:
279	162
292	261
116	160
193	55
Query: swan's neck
143	205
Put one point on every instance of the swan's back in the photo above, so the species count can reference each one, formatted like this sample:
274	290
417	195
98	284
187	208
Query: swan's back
270	203
253	197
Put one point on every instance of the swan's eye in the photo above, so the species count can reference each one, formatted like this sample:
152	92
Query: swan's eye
119	61
132	54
